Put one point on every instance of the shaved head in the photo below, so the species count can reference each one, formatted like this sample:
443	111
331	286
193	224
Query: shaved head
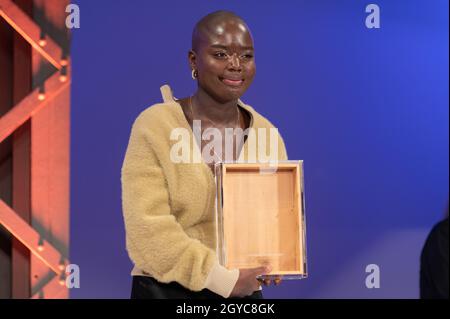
214	24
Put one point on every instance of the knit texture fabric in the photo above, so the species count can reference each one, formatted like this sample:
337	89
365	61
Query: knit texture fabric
169	208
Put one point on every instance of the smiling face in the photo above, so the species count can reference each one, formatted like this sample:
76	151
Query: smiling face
223	55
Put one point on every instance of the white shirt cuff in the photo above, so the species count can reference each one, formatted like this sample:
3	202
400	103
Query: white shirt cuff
221	280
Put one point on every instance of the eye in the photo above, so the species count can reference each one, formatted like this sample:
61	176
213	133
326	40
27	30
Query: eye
220	55
248	56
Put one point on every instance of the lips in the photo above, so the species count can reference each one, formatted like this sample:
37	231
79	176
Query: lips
232	81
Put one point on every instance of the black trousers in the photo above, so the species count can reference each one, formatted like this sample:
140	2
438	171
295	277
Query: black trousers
149	288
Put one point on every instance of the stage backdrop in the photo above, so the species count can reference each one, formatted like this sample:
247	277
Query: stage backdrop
366	109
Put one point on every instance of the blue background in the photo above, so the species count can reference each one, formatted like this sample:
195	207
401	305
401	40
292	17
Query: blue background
366	109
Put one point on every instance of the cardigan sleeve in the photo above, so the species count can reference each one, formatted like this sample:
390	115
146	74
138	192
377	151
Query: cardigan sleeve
156	242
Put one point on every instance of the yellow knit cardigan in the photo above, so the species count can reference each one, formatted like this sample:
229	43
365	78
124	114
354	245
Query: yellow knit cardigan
169	207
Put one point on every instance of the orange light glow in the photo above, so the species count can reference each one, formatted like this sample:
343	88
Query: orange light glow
42	42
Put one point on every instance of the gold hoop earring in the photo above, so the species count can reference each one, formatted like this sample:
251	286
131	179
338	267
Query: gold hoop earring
194	74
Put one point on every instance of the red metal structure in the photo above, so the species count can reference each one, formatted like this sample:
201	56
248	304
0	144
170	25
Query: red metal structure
34	148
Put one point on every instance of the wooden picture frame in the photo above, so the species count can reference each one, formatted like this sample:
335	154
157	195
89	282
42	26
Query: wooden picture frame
260	215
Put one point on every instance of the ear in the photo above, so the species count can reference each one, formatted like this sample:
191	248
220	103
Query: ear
192	59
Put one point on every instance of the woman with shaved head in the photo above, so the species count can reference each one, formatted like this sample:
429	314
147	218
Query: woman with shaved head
168	196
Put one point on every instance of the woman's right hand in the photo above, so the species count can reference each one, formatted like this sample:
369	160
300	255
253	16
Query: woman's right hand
247	283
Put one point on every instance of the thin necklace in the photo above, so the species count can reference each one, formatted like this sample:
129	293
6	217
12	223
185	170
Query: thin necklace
212	122
215	125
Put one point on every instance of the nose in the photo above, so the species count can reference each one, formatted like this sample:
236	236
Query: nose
235	63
